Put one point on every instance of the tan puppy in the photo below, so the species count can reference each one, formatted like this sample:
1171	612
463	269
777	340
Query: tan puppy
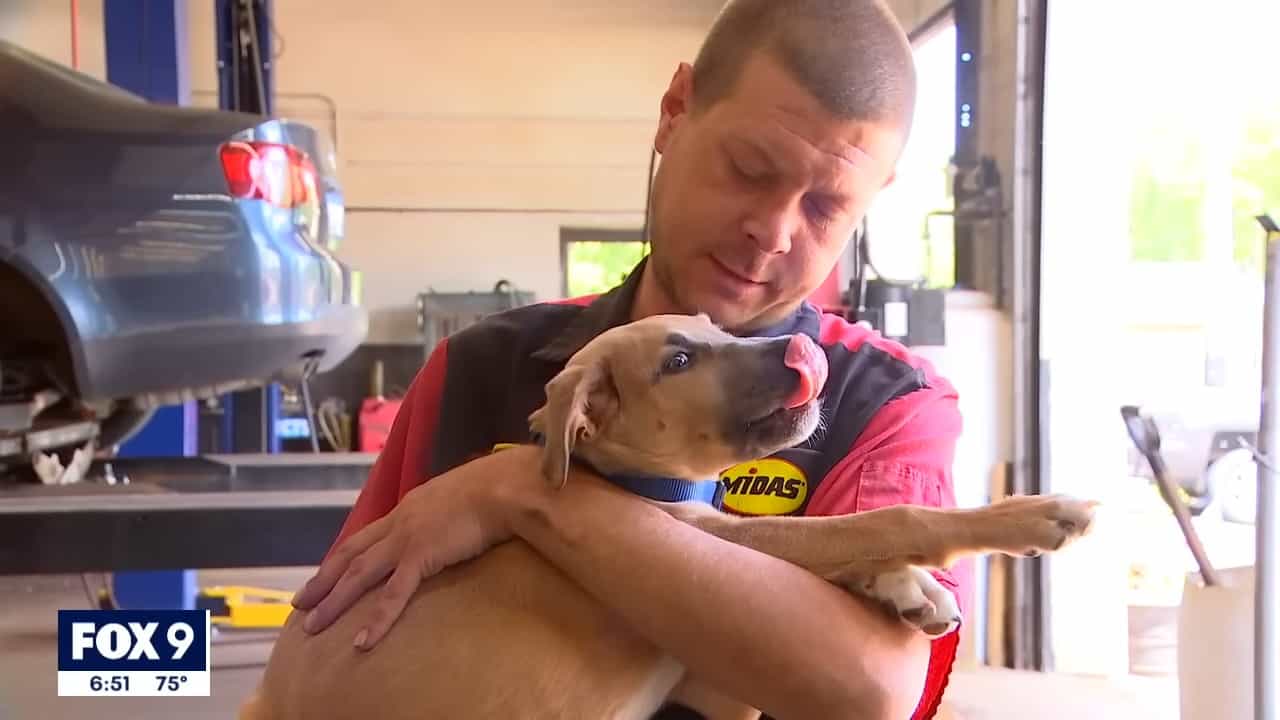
506	635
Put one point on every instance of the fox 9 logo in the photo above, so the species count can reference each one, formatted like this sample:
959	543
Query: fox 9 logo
133	652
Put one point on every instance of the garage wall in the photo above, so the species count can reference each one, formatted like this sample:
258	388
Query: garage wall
997	100
469	135
914	13
44	27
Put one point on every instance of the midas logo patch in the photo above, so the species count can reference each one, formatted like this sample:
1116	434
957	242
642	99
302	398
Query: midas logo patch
771	486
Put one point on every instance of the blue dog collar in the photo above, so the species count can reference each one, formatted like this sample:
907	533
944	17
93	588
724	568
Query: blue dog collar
664	489
661	489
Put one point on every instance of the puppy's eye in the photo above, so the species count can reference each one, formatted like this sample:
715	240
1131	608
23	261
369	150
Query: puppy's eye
677	362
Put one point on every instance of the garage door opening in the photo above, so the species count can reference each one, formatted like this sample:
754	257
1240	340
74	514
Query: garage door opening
1152	286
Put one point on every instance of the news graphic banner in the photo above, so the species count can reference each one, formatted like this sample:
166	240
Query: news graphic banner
133	653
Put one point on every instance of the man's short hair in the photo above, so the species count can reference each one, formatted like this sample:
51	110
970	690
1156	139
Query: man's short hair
851	55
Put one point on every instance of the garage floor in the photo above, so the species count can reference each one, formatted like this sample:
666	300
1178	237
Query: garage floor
28	669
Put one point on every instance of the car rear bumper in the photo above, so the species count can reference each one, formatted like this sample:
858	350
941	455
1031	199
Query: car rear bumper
219	358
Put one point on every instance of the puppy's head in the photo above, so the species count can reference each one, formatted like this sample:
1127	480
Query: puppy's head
676	396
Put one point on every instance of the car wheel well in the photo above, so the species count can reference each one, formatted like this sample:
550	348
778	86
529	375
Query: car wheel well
34	333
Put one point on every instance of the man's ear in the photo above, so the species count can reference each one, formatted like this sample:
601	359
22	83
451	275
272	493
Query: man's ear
580	400
675	105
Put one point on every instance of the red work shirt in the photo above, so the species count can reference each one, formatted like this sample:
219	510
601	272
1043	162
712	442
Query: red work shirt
890	438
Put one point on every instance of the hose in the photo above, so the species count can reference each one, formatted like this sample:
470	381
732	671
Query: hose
335	423
311	412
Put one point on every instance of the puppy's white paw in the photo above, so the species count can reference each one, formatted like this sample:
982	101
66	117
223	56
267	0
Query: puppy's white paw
918	598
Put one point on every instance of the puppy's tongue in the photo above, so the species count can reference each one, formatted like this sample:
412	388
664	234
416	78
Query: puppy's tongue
807	359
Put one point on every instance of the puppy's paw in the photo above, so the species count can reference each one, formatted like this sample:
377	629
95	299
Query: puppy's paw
917	597
1031	525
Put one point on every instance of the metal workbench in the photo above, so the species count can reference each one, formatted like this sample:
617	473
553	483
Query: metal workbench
214	511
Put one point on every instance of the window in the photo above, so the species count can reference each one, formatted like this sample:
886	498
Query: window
596	261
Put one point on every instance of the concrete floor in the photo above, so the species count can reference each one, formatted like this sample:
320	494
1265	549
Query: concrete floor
999	694
28	669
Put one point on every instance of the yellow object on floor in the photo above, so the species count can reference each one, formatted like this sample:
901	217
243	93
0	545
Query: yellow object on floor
239	606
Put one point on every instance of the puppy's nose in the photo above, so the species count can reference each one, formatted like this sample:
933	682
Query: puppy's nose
807	359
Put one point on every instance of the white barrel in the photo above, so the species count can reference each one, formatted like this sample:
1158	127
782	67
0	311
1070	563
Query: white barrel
1215	647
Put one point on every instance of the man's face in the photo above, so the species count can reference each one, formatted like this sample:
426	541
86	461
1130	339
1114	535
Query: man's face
757	195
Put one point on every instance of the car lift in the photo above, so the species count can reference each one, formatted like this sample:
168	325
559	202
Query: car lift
213	511
159	506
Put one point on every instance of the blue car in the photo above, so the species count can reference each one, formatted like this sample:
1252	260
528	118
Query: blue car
151	254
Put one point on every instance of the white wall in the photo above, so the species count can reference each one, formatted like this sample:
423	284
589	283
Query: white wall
469	134
44	27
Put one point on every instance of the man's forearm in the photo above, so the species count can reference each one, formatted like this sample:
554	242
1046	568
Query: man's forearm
759	629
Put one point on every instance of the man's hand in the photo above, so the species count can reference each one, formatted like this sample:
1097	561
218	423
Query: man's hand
450	519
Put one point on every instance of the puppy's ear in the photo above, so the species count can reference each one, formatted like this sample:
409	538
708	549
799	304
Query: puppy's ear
580	400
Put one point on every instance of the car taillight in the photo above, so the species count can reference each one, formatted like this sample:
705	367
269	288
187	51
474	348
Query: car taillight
280	174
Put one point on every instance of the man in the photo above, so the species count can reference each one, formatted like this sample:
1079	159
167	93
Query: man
773	143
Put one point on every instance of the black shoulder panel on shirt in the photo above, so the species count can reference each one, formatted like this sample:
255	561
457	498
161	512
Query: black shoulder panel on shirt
859	384
488	377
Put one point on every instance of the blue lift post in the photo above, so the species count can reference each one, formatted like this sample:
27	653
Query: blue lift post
146	53
246	84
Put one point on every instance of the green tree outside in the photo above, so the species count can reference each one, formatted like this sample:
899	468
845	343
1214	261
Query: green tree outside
598	266
1169	184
